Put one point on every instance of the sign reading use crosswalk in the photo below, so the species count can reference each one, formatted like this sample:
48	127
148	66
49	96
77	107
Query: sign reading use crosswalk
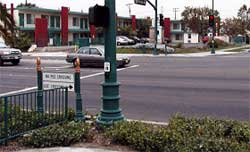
141	2
56	80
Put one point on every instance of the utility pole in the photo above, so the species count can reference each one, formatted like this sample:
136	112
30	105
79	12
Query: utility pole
129	7
175	11
213	50
156	26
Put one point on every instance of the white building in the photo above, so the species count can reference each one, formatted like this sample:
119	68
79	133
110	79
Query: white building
190	37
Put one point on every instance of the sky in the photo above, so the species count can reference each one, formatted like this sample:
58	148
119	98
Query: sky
227	8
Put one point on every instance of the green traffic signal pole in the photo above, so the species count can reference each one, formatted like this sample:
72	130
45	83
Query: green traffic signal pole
110	111
39	96
156	33
213	50
79	116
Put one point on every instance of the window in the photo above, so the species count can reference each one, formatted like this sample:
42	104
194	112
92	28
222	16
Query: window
94	51
177	37
21	19
84	51
75	21
75	36
57	21
81	23
52	21
86	23
189	36
176	26
30	18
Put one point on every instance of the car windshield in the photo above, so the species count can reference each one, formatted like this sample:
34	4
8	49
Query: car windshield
2	45
124	38
100	50
83	50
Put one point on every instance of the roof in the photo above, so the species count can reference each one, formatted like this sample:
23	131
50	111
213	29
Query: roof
39	9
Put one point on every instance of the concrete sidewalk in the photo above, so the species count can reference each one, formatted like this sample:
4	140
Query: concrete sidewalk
67	149
201	54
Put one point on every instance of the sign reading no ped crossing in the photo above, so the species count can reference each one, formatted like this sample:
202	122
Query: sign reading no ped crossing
56	80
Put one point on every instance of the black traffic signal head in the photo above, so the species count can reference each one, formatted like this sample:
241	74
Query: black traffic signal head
211	20
161	20
99	16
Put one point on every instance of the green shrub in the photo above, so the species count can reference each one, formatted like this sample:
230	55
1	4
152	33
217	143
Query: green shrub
179	45
218	43
57	135
184	135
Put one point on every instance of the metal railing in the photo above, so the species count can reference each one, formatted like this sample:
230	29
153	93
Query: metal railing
19	113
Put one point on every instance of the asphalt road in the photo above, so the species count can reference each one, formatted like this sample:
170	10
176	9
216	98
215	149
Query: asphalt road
155	88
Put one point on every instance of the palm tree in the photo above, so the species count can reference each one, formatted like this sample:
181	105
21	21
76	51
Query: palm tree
7	26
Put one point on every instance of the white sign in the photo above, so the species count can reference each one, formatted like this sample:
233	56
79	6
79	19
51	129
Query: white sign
141	2
106	66
57	80
53	85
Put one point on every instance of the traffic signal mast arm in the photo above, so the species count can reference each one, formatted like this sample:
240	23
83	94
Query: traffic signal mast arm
151	4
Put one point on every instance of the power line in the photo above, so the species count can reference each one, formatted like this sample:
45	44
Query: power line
129	7
175	11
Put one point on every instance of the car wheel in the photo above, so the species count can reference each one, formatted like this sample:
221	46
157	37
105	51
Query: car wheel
1	61
15	62
118	43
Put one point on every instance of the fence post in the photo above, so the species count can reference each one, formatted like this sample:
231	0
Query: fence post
79	116
39	86
66	103
6	119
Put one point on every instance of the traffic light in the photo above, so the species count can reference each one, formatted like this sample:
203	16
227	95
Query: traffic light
211	20
161	20
99	16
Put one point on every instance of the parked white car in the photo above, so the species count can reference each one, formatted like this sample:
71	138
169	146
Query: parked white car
121	41
130	41
8	54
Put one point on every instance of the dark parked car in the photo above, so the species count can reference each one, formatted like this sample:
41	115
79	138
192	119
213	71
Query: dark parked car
94	57
138	40
8	54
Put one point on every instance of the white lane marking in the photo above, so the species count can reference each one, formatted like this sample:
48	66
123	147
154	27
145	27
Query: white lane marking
18	91
84	77
31	68
101	73
16	75
62	67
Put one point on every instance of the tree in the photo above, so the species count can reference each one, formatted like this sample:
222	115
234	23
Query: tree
243	14
143	28
232	27
23	41
196	19
7	26
126	31
26	4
